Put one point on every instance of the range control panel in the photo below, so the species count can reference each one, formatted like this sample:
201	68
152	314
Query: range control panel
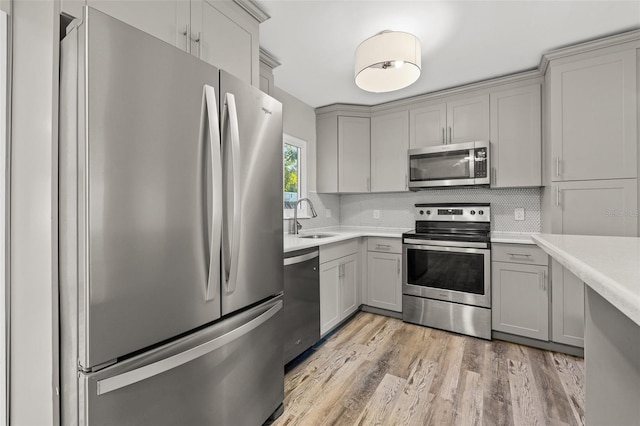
453	212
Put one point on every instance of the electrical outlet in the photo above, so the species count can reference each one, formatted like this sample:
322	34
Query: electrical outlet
518	214
376	214
327	213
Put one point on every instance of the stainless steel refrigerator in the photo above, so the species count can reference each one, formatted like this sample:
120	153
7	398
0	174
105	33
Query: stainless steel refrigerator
170	235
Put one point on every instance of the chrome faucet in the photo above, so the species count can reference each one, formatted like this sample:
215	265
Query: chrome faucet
296	225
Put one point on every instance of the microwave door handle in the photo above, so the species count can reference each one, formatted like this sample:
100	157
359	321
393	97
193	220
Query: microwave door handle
472	164
209	131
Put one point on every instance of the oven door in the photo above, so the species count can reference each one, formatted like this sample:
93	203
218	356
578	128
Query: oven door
455	274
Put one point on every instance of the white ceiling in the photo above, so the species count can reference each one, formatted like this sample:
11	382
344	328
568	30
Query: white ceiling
462	41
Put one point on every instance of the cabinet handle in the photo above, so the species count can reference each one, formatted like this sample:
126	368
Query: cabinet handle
544	279
406	181
519	254
368	184
557	196
449	134
558	166
383	246
541	283
185	33
444	139
197	41
398	263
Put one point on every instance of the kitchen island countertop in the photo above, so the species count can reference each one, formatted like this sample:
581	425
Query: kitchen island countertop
608	265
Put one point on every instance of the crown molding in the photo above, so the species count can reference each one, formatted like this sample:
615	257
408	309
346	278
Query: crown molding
253	9
587	46
268	59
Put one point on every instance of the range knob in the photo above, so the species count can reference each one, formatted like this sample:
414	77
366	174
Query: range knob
428	211
480	212
422	212
472	212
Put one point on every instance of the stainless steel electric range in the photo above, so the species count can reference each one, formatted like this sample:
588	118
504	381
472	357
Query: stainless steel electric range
446	279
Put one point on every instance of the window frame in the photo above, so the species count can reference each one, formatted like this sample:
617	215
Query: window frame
302	145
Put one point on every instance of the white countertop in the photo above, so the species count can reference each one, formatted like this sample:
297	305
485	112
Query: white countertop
609	265
341	233
512	237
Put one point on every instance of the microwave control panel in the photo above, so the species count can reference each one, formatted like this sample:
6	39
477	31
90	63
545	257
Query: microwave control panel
480	167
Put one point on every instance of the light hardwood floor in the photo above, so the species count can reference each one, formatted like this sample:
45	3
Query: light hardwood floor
380	371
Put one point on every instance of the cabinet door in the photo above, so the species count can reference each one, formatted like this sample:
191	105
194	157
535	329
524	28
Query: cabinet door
384	283
330	299
427	125
520	300
354	139
349	285
389	145
599	207
164	19
226	37
468	119
327	154
593	118
516	135
567	311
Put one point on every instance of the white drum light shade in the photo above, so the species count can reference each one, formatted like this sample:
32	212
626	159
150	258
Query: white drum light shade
388	61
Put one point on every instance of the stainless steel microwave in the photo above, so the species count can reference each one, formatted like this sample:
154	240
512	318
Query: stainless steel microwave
461	164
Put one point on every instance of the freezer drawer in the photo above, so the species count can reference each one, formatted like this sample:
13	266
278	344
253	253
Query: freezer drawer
228	374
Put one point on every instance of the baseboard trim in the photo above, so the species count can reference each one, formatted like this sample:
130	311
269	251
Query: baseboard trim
549	346
380	311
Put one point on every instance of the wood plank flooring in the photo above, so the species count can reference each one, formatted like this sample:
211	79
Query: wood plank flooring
377	370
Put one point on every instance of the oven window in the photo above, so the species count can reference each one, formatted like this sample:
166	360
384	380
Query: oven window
446	270
439	166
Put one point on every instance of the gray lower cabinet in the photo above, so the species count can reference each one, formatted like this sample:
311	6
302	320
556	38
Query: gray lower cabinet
338	284
384	273
520	299
567	316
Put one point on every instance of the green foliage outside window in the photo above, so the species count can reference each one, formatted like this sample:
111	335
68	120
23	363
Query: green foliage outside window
290	168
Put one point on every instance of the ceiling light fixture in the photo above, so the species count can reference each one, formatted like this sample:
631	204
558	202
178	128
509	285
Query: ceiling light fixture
388	61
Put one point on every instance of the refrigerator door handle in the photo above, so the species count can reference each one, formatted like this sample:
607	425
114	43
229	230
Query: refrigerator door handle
139	374
209	126
231	254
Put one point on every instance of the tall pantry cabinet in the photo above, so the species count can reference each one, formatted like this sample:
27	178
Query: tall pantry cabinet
590	157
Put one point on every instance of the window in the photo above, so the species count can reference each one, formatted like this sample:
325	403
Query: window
295	175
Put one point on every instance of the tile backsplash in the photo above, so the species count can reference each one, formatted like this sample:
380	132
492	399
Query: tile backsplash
396	209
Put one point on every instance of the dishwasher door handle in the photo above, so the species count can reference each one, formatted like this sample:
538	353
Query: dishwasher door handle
301	258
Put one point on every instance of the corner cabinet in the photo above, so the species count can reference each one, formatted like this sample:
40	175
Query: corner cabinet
222	33
384	273
389	145
343	153
593	117
339	268
453	121
520	291
516	134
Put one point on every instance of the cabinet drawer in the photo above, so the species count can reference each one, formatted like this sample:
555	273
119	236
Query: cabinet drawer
330	252
385	245
519	253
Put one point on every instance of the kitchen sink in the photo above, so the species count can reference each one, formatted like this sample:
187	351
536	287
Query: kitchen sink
315	236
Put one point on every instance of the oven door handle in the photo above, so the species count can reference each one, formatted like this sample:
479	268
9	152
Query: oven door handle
483	250
430	243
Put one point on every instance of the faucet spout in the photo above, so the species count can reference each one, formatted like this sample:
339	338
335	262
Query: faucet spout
296	225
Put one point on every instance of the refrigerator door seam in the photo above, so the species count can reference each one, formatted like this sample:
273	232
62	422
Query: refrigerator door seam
134	376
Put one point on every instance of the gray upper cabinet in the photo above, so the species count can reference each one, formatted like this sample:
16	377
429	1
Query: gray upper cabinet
468	119
327	154
516	130
457	120
428	125
593	117
602	207
354	168
219	32
389	145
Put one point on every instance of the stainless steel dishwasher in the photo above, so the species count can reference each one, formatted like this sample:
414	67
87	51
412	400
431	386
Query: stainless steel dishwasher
301	309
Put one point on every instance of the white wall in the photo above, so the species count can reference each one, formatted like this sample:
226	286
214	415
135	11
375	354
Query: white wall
34	136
